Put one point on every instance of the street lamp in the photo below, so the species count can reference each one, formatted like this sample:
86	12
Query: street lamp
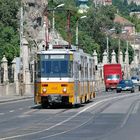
53	21
108	33
77	29
107	48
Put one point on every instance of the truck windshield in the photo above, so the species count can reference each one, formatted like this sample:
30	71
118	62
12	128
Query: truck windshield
55	67
113	77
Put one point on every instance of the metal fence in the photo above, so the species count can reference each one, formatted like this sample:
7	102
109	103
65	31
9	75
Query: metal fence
1	74
10	74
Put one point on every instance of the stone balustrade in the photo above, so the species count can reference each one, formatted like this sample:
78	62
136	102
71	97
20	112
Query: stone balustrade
20	82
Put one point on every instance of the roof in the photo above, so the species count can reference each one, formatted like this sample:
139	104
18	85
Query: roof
122	20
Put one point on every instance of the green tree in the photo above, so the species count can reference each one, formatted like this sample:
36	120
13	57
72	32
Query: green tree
9	38
92	30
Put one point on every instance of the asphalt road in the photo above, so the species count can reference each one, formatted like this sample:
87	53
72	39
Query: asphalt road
110	116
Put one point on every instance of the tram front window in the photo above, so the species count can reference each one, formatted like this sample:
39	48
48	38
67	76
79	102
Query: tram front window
55	68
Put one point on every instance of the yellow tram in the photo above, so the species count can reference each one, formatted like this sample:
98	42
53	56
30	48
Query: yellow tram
63	76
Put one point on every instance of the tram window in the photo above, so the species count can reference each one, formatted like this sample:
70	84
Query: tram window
45	67
48	66
55	67
64	66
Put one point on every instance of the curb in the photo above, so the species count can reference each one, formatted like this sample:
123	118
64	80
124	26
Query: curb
15	99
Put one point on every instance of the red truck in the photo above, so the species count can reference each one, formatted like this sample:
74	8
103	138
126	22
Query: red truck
112	75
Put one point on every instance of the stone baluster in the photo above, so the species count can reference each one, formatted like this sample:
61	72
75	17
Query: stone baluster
14	69
113	58
121	58
15	75
127	70
95	57
5	69
105	59
5	75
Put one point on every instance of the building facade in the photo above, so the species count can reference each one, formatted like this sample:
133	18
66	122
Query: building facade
102	2
135	1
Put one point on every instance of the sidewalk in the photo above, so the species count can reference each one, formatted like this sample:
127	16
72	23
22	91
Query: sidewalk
9	98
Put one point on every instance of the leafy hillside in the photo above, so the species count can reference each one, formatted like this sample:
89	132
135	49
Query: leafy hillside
92	30
9	35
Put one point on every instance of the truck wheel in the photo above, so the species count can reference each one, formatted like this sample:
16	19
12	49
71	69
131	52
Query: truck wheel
132	91
44	105
118	91
139	88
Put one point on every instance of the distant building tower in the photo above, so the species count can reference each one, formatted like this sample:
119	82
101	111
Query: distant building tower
82	6
108	2
102	2
82	2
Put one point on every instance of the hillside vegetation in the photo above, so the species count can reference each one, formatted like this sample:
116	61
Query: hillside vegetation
91	29
9	34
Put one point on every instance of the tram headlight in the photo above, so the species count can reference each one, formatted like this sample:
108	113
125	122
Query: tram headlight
64	89
44	89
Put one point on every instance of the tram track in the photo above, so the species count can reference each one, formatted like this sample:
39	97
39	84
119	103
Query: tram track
31	112
34	130
123	123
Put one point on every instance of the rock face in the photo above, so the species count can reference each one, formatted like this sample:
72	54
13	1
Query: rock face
33	16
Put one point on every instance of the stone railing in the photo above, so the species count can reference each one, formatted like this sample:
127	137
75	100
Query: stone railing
11	80
18	80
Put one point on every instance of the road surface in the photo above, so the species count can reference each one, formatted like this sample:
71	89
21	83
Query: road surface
111	116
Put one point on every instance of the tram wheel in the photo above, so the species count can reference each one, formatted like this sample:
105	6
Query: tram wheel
44	102
44	105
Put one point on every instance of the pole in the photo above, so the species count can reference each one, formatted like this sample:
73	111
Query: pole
76	33
127	45
47	31
53	21
107	48
77	30
21	29
127	65
21	43
68	27
119	51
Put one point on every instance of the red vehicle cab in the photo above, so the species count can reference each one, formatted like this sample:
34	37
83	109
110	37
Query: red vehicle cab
112	75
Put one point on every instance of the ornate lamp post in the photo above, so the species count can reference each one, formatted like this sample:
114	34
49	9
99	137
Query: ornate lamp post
53	21
77	22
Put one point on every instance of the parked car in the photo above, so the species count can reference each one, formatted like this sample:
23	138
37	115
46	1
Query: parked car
125	85
135	80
